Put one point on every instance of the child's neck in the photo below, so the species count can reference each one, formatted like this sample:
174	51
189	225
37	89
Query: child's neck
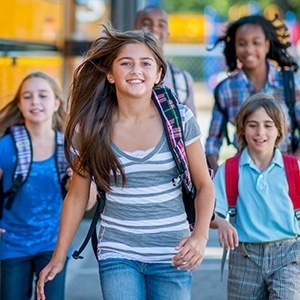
43	141
261	159
39	130
258	77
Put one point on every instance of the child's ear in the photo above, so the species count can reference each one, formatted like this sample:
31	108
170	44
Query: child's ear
57	104
158	76
110	78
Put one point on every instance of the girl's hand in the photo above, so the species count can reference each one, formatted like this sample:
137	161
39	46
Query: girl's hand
2	230
191	253
47	274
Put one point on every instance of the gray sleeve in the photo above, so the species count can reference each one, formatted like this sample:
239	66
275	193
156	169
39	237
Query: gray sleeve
191	129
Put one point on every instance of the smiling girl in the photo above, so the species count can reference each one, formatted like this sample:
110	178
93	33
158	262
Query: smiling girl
145	249
256	52
30	226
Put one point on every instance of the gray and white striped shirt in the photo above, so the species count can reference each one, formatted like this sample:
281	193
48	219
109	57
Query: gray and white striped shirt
145	220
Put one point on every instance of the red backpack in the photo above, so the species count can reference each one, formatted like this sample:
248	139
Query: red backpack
232	177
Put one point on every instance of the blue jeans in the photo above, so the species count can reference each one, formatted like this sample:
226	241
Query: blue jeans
17	275
123	279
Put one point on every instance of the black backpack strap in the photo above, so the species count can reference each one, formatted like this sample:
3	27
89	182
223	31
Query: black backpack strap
92	233
60	162
22	169
223	111
290	100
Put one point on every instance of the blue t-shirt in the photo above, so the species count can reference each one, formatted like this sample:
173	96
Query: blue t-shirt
264	209
32	224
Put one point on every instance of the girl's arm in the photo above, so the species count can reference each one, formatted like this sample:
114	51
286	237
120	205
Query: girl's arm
93	197
93	190
74	207
191	249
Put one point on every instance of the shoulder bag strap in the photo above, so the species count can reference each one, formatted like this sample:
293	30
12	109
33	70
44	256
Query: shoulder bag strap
60	162
292	171
290	100
23	146
92	233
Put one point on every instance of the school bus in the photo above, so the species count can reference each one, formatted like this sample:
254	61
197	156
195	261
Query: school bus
41	35
30	40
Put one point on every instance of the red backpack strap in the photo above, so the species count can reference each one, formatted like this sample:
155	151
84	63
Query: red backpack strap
231	179
292	172
232	192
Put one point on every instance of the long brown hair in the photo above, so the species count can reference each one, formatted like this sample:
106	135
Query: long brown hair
93	100
11	115
252	104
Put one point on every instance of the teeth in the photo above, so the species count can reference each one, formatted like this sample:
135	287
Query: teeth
251	57
135	81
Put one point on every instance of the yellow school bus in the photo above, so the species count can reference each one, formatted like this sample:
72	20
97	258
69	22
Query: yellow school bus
41	35
31	39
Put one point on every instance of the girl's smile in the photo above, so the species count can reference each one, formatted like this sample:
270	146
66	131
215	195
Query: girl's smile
134	71
251	46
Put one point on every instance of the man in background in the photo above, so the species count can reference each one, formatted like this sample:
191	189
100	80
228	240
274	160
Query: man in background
179	81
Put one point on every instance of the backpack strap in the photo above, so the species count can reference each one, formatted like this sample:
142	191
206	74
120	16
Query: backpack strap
173	77
231	184
92	232
186	84
292	171
60	162
231	187
174	81
167	105
22	169
290	100
223	111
